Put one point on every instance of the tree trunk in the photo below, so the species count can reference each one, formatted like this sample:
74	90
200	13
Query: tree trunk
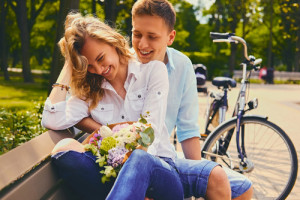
270	45
218	25
128	22
57	59
110	12
21	14
297	53
94	7
233	48
3	45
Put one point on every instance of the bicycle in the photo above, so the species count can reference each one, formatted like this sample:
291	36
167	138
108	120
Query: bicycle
262	150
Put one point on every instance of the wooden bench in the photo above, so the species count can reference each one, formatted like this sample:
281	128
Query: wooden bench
26	172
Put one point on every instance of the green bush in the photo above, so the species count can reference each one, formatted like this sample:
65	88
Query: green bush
199	57
19	127
216	66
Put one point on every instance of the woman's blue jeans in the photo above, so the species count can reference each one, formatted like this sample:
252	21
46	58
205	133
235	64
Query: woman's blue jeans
141	175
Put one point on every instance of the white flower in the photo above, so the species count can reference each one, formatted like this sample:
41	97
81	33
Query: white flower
124	136
105	131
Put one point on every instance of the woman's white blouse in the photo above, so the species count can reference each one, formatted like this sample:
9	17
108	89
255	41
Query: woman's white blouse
147	88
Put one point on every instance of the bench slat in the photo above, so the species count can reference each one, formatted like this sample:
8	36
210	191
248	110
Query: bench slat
35	185
17	162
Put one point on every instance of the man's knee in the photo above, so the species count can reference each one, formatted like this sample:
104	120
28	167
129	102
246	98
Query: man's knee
246	196
218	176
218	184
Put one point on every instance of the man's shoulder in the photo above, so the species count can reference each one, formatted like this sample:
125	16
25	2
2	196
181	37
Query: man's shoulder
178	60
178	55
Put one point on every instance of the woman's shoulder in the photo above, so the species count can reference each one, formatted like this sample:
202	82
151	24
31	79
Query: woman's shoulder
151	63
154	65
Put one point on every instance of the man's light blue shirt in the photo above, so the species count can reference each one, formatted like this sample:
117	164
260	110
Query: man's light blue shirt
183	108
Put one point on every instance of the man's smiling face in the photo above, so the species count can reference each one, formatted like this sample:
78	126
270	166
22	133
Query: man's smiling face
150	38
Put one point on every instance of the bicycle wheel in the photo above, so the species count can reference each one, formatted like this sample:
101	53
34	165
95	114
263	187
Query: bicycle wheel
268	148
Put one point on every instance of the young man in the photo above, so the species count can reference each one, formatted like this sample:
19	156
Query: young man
153	31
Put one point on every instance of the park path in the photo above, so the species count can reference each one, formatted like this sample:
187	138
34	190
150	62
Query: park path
281	103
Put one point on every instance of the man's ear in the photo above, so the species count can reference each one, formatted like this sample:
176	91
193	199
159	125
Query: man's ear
172	35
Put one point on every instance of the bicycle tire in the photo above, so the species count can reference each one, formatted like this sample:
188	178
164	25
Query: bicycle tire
269	148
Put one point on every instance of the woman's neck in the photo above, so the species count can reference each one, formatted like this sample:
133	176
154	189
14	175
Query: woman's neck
119	80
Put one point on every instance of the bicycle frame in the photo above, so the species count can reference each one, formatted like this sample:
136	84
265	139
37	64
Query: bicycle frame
219	104
241	104
241	101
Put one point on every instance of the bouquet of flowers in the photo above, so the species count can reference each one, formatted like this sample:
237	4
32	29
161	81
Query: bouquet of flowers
113	144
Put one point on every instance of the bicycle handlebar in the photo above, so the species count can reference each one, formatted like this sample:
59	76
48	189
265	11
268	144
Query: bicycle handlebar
231	38
215	35
257	61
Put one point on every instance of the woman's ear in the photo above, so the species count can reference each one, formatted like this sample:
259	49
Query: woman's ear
172	35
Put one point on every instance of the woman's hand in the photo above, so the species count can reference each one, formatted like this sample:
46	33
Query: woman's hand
142	148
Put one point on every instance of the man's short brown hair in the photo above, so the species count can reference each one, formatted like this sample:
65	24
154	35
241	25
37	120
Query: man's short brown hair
161	8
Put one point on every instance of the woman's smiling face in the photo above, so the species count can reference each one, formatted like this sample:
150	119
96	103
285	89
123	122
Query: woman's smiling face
103	58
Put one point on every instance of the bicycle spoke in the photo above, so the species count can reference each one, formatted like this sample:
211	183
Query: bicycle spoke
269	156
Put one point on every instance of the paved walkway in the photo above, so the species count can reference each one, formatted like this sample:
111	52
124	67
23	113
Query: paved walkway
281	103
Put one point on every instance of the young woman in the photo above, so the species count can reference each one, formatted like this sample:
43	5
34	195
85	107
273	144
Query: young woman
110	86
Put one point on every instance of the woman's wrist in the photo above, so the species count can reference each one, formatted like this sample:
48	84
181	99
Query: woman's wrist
62	86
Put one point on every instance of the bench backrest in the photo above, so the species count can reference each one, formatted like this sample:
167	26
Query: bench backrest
26	172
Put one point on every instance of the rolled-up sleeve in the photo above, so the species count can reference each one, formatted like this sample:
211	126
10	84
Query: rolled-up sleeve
187	119
64	114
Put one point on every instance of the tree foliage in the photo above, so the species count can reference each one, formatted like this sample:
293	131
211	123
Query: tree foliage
28	37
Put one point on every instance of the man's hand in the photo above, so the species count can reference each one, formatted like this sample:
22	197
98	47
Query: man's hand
191	148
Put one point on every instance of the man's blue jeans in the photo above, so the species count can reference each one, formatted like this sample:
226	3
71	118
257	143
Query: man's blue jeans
194	176
141	174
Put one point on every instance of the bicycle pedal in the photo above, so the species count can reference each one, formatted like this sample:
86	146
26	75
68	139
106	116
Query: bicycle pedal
237	169
204	135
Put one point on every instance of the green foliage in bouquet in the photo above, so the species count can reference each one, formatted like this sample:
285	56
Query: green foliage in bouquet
146	133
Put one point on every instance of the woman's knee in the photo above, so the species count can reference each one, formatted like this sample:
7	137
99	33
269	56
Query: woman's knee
66	145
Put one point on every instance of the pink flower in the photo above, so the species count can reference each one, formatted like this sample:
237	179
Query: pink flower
97	135
92	139
119	127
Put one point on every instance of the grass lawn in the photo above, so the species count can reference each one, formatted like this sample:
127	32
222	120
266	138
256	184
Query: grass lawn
17	95
21	106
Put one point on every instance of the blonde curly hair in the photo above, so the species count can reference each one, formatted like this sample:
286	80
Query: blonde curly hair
85	85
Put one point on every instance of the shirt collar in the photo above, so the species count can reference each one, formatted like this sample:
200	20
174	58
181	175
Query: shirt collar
133	71
170	64
133	68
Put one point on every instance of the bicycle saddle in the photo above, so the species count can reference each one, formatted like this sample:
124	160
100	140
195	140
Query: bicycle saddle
224	82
